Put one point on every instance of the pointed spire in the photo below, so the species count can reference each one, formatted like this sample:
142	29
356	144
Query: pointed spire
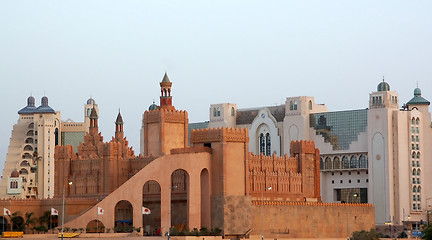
165	78
119	119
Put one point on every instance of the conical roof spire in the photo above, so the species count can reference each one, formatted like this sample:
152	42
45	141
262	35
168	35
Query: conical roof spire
119	119
93	114
165	78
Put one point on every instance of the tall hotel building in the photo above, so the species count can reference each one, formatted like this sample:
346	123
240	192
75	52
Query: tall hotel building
29	168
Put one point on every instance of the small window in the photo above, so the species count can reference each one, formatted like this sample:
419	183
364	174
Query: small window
341	181
232	112
332	181
358	180
310	105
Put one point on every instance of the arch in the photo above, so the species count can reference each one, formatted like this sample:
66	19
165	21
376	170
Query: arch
179	199
13	184
264	123
56	137
30	133
310	104
295	105
95	226
414	172
151	194
3	223
419	189
363	161
328	163
336	163
26	156
353	162
123	216
413	120
322	163
418	155
31	126
345	162
261	144
28	148
25	163
23	171
29	140
232	111
413	155
417	121
205	199
418	172
414	189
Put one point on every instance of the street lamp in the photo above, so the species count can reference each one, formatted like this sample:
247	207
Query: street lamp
262	212
169	216
63	207
354	195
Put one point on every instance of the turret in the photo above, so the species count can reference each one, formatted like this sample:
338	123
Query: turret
119	134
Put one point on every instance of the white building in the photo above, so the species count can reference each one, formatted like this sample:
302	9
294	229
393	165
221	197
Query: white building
375	155
29	167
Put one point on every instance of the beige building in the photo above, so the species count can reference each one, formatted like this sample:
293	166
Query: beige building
374	155
29	167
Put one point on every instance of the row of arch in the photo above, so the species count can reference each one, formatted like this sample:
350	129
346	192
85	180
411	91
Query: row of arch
415	121
152	199
344	162
415	154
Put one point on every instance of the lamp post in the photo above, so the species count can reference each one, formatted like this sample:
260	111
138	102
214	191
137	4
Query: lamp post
63	207
354	195
262	212
169	216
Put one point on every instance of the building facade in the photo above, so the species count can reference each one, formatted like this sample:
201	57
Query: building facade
375	155
29	167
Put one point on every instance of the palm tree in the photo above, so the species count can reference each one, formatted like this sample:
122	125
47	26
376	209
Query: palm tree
17	221
29	220
45	219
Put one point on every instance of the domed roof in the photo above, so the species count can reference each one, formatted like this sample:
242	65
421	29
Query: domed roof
418	99
153	107
44	101
91	101
31	101
44	107
383	87
15	174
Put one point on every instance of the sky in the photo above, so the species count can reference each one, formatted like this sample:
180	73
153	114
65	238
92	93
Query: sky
252	53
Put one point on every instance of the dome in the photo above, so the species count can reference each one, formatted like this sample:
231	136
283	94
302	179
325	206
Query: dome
91	101
418	99
153	107
44	101
31	101
15	174
383	87
417	92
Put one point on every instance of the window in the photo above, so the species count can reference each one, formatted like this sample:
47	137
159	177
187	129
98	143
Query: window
413	181
367	180
414	206
332	181
418	180
412	130
232	111
358	180
412	138
345	162
417	121
418	206
218	112
262	144
417	147
418	155
295	105
349	181
268	144
412	146
417	139
310	105
214	112
413	164
417	130
363	161
418	164
412	121
291	105
341	181
414	189
354	162
336	163
328	163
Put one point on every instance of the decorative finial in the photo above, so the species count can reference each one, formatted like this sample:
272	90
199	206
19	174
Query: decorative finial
417	83
383	78
119	110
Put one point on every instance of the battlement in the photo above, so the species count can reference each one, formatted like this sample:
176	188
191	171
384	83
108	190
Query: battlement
306	147
165	115
219	135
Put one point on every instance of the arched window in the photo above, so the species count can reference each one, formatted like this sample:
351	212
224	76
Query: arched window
321	163
218	112
214	112
30	133
418	172
413	155
25	163
363	161
232	111
414	172
29	140
291	105
268	144
88	111
345	162
310	104
336	163
418	155
295	105
419	189
414	189
28	148
354	162
417	121
413	121
23	171
262	144
328	163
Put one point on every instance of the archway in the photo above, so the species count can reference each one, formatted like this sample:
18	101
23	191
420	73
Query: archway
179	200
151	194
3	224
205	199
95	226
123	218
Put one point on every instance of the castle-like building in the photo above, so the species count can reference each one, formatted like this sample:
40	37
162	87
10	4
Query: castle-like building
29	167
374	155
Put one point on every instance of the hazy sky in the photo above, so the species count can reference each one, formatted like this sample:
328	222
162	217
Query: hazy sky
253	53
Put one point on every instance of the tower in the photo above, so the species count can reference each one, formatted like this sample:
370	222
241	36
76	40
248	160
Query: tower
164	128
93	129
119	134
